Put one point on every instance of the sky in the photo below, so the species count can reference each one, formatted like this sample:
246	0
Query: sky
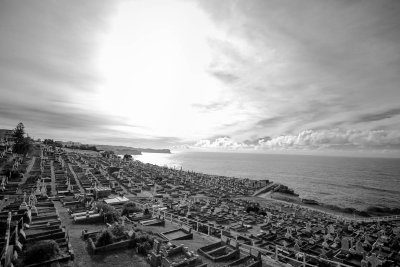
257	75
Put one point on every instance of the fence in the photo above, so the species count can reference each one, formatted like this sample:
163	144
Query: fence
280	256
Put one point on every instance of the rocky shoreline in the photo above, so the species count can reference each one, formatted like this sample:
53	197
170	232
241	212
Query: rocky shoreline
372	211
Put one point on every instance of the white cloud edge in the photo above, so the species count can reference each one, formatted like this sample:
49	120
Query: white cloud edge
332	139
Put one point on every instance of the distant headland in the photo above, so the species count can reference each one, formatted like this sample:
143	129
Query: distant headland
131	150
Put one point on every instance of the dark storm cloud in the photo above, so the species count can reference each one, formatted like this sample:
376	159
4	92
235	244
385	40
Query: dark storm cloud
224	76
270	121
379	116
54	119
160	142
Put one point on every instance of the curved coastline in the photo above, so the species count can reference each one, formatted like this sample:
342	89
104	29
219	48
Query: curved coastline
293	198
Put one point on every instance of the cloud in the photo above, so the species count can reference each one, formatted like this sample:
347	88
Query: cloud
211	106
257	141
334	139
250	69
310	65
219	143
224	76
270	121
379	116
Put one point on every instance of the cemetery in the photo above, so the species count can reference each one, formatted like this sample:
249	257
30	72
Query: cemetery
82	206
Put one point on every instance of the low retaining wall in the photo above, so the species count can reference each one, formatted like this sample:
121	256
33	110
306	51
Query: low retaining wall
117	245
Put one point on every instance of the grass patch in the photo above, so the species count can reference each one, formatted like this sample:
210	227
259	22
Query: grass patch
42	251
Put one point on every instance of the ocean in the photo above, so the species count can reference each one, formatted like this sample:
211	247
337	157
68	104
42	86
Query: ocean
342	181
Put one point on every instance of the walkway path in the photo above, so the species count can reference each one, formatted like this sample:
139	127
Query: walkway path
53	180
76	179
263	190
28	170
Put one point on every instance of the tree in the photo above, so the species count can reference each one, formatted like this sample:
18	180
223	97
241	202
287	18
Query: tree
22	144
48	142
127	157
108	154
19	132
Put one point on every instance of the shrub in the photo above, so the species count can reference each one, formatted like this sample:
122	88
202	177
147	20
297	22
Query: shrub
144	247
104	238
141	237
119	230
110	213
42	251
129	207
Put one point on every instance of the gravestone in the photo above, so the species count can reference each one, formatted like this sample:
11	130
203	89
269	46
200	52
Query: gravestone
325	243
359	247
296	246
374	261
156	246
350	228
331	229
346	244
308	227
288	232
155	256
323	253
130	233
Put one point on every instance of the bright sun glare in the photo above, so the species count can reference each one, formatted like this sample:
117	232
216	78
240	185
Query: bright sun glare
154	61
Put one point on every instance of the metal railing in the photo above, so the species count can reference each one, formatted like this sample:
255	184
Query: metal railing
267	256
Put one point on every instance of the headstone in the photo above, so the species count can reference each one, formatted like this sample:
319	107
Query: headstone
288	232
325	243
22	235
308	227
323	253
131	232
374	261
296	246
331	229
350	228
156	246
359	247
345	244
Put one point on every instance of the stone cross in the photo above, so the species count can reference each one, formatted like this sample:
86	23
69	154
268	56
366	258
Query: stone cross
288	232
